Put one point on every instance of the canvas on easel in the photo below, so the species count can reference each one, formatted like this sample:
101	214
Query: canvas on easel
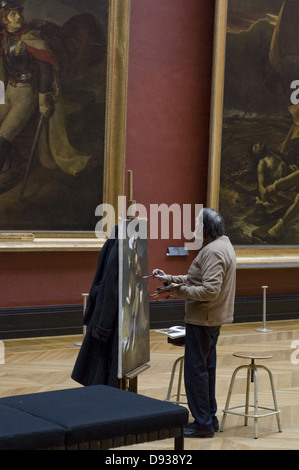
134	346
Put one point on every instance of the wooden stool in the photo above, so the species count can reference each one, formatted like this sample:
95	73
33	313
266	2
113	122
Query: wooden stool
252	376
179	362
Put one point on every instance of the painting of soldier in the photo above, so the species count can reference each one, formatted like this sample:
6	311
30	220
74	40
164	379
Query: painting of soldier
53	67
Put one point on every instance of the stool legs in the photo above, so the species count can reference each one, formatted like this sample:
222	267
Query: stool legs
274	396
178	362
249	377
252	376
256	403
231	386
180	380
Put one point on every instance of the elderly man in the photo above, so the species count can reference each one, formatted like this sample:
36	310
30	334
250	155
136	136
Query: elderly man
209	293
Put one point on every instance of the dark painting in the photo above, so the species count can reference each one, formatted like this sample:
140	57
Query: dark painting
134	347
259	176
64	180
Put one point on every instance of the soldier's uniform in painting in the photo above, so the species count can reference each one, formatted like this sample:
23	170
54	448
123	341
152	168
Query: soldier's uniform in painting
26	77
29	70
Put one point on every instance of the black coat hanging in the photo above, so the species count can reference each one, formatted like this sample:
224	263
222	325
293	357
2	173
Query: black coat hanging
97	360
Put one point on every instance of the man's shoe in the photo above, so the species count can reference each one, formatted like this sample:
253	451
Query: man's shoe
196	431
215	423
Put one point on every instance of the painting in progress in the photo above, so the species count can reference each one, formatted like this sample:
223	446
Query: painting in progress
134	350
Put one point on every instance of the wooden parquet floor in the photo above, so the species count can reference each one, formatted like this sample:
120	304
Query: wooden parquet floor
41	364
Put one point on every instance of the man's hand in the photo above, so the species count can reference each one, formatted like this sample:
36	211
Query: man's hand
159	274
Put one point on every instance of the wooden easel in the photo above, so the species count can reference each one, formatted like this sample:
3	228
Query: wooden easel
130	200
130	381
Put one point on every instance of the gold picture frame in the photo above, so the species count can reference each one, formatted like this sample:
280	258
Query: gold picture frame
248	255
114	146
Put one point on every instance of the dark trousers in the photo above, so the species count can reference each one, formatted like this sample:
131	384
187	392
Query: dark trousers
200	373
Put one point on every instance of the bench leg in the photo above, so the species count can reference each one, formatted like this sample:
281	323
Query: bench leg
179	440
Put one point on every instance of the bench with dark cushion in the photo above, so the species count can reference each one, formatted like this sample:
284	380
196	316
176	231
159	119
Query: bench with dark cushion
22	431
94	417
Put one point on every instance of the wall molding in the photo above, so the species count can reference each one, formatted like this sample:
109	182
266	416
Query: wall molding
57	320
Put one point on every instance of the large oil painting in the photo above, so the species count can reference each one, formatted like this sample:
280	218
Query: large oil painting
255	122
63	65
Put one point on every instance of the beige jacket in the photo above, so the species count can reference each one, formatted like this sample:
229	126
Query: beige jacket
209	287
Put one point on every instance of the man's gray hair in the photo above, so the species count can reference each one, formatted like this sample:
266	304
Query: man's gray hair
213	224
